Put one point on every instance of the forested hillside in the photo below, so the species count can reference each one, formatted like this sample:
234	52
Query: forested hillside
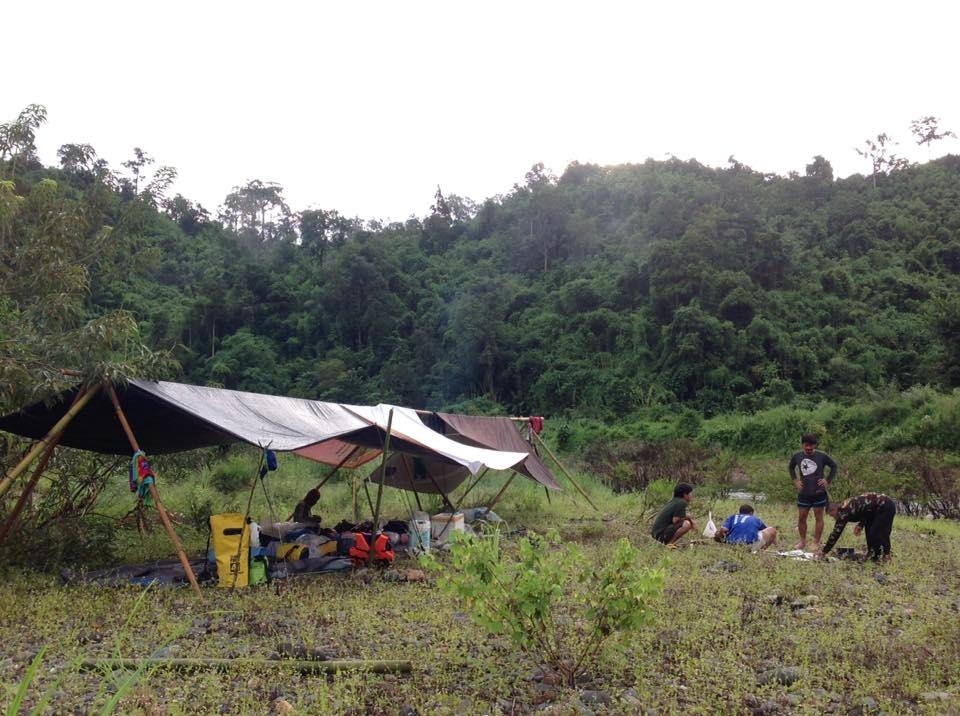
606	291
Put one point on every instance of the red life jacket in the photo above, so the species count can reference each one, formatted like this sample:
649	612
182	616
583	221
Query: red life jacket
381	547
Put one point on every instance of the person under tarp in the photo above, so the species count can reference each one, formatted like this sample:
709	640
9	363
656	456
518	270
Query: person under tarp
302	513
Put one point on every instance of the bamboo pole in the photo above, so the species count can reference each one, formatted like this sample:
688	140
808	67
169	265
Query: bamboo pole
27	489
155	494
53	435
383	471
564	471
496	498
470	487
302	665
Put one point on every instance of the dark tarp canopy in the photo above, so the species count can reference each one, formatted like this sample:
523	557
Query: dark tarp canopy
498	433
171	417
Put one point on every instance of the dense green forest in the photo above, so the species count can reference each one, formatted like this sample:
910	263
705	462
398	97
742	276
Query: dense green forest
606	292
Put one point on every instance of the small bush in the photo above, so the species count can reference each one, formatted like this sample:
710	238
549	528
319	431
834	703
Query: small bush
236	473
89	540
532	600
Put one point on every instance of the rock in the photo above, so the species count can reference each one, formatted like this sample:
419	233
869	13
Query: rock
281	706
595	698
804	602
932	697
784	675
765	708
868	705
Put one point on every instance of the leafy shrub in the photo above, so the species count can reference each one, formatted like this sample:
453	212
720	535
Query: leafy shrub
550	601
88	540
629	466
235	473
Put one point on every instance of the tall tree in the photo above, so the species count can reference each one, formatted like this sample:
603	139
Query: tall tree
882	159
257	211
17	139
926	130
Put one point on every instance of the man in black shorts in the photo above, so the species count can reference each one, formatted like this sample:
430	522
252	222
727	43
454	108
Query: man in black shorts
673	523
816	473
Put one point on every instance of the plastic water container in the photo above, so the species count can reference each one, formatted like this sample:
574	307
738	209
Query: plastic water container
419	533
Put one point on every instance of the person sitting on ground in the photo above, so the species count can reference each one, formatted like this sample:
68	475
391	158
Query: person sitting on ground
673	522
302	512
873	512
746	528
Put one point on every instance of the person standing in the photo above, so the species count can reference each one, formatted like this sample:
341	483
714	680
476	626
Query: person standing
673	522
816	472
746	528
873	512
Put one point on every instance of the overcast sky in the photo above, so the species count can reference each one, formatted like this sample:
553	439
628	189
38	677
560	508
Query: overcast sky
366	107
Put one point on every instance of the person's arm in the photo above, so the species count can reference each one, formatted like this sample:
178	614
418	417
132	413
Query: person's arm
835	535
794	462
829	468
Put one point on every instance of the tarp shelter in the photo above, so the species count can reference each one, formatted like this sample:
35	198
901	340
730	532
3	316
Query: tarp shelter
162	417
172	417
420	475
498	433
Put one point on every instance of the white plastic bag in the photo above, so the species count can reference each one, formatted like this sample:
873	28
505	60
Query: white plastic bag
711	529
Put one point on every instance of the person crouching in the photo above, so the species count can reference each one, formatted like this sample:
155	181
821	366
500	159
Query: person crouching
746	528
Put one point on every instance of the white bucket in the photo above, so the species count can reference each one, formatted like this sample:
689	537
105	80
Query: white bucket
419	533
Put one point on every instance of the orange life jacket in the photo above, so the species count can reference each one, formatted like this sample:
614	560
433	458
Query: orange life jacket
381	547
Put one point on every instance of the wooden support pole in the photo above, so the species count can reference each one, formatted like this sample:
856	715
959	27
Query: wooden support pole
564	471
285	665
383	472
51	437
155	494
496	498
470	487
27	489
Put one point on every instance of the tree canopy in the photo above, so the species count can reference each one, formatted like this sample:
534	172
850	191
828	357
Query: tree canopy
605	291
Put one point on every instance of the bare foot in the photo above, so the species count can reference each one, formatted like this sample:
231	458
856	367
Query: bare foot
815	547
800	545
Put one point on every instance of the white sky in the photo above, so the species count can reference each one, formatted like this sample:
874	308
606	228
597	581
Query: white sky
366	107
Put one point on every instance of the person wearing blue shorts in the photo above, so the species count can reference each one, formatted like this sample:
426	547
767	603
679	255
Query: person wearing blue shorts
812	472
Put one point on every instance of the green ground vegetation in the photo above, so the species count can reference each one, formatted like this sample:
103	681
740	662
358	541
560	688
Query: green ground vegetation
734	631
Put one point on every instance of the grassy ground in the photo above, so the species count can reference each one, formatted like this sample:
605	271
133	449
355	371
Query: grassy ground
735	633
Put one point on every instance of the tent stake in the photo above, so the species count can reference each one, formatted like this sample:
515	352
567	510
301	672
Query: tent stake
155	494
53	435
